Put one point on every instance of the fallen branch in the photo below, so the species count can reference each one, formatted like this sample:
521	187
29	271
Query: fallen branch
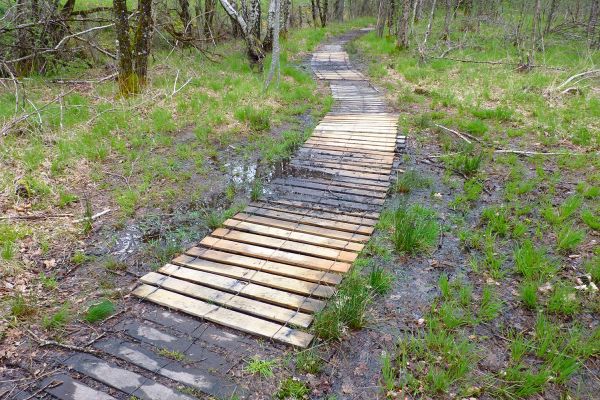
582	75
536	153
93	217
42	216
83	349
463	136
497	63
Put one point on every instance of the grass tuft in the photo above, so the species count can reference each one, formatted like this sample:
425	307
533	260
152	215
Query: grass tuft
99	312
416	229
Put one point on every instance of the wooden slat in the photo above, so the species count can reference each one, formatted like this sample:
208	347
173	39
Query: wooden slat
222	316
273	255
329	186
282	297
314	209
273	274
284	244
229	300
292	234
310	220
355	238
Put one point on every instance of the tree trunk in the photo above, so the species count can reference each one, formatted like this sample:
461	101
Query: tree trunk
209	14
391	17
447	20
254	46
268	40
186	19
323	9
314	11
593	20
551	14
338	8
143	36
535	27
381	16
128	83
276	5
403	25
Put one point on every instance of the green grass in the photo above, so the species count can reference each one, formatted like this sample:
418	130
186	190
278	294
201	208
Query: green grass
568	238
264	368
532	262
416	229
309	361
59	319
411	180
99	311
292	388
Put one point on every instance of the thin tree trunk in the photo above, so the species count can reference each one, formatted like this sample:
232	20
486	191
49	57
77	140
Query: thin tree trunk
535	29
268	39
209	13
314	11
253	44
126	79
184	15
338	7
593	20
276	52
403	25
381	14
551	14
447	19
143	37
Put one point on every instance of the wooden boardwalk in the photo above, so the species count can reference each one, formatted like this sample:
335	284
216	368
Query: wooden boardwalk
268	269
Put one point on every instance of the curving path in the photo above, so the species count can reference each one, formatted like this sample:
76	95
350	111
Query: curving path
266	271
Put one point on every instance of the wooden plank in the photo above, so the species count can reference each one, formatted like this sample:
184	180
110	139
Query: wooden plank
283	297
356	157
273	274
222	316
310	220
351	145
322	184
362	177
265	253
345	149
230	300
368	201
296	207
381	170
355	238
292	234
285	244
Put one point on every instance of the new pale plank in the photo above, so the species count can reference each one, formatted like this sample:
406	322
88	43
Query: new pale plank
291	234
273	274
230	300
285	244
222	316
274	255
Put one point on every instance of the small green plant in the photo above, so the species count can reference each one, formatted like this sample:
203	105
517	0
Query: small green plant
309	361
22	306
465	163
328	324
532	262
380	280
99	312
388	373
490	304
65	199
563	300
416	229
263	368
114	265
497	219
87	220
79	257
292	388
592	266
48	282
214	219
58	320
528	293
259	120
569	238
410	180
172	354
591	220
564	212
257	190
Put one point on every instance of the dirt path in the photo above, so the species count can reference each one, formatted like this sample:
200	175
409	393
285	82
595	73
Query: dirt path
265	272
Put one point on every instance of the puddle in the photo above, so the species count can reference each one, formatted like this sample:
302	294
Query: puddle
128	242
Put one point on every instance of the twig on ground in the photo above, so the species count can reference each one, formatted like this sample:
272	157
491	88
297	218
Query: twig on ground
44	343
582	75
456	133
497	63
535	153
93	217
30	217
50	384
